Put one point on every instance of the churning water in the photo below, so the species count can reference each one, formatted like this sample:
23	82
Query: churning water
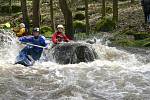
115	75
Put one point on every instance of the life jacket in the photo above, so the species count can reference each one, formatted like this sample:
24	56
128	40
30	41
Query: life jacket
59	37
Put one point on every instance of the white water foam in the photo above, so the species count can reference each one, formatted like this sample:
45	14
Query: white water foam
116	75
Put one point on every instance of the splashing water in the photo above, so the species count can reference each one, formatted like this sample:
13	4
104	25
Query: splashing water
116	75
8	46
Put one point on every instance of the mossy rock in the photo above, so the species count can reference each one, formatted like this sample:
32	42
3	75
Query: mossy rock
46	31
124	43
80	8
141	35
79	16
137	35
133	43
105	24
79	26
146	44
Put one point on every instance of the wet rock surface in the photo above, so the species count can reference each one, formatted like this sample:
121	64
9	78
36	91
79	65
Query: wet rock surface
73	53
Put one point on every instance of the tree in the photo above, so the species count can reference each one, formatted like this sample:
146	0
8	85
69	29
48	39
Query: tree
36	13
25	13
103	9
68	17
132	1
115	10
52	14
10	6
86	16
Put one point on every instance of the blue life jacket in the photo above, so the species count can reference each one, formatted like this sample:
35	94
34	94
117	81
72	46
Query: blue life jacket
39	41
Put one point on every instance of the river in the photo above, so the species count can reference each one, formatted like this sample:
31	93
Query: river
117	74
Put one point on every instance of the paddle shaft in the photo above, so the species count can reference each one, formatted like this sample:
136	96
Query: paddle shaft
33	45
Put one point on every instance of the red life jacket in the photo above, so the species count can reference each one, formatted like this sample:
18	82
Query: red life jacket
59	37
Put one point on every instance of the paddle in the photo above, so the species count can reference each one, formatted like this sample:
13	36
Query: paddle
34	45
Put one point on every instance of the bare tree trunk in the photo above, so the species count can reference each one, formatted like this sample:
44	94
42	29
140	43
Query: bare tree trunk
10	6
115	10
132	1
52	14
36	13
25	13
68	17
86	16
103	9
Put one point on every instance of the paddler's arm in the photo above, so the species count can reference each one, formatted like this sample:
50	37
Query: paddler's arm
25	39
43	40
54	39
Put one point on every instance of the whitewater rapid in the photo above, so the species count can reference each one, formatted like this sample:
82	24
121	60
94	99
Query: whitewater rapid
115	75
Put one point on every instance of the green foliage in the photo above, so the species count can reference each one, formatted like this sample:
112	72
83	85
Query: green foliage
79	16
46	31
145	42
106	24
79	26
128	31
80	36
108	9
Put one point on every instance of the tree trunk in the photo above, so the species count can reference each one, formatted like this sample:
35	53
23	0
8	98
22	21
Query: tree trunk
52	14
25	13
36	13
68	17
86	16
10	6
132	1
103	9
115	10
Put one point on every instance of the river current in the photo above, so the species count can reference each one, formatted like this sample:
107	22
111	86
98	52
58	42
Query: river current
117	74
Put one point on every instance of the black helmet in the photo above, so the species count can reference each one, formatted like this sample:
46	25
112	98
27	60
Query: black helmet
36	29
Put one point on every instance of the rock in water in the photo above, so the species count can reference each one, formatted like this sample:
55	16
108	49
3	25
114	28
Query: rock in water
73	53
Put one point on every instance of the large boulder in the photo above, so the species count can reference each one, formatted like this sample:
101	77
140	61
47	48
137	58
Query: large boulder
71	53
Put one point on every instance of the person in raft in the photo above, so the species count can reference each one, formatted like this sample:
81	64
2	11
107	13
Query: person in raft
37	39
59	35
22	31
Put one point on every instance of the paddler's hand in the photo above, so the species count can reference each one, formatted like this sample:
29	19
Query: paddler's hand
17	41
